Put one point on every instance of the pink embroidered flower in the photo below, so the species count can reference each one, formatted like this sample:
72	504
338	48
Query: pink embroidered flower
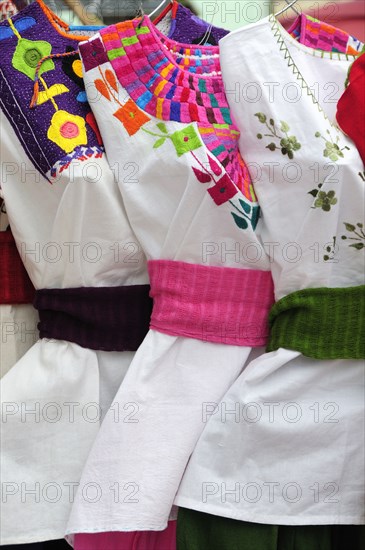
223	190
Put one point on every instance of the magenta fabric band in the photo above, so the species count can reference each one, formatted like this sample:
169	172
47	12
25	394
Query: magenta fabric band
216	304
134	540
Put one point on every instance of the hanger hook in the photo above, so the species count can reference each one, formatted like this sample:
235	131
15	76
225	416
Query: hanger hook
289	5
141	14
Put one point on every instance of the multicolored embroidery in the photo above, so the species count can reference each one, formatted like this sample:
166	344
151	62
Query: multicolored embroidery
72	67
287	144
277	32
28	53
80	154
31	72
21	24
320	36
67	130
332	150
357	232
160	77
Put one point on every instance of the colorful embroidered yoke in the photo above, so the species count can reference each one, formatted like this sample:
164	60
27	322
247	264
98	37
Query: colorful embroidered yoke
319	35
198	230
60	127
301	418
154	82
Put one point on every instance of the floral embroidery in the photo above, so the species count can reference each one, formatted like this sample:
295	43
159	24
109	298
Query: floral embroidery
128	113
357	230
331	250
93	54
52	91
249	212
332	150
72	67
131	117
223	190
287	144
67	130
325	200
27	55
20	25
185	140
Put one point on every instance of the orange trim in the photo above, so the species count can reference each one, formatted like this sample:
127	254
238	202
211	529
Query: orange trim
56	23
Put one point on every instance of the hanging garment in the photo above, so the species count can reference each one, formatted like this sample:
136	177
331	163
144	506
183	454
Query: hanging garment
195	214
18	318
55	210
292	452
351	107
75	240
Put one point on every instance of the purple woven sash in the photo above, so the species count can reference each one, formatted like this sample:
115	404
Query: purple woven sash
99	318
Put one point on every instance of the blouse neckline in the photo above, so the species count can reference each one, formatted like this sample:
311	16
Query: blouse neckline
284	40
145	66
289	40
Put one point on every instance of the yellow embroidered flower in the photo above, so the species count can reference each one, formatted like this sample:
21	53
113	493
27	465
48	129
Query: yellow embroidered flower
67	130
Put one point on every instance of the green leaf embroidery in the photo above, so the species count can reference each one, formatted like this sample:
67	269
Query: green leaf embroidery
287	144
240	222
350	227
159	142
357	234
261	117
162	127
246	207
314	192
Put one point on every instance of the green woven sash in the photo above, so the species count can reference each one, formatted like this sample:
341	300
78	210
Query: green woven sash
323	323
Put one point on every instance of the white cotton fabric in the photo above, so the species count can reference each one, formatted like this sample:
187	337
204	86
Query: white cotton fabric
70	233
18	325
171	378
292	452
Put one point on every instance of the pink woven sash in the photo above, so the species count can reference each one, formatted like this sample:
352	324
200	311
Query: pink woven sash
215	304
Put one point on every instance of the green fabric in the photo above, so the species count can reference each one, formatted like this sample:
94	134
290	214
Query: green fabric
199	531
323	323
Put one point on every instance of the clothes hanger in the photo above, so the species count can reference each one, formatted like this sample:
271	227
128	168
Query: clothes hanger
289	5
161	6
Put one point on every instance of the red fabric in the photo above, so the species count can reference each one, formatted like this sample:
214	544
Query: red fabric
215	304
138	540
15	285
351	106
